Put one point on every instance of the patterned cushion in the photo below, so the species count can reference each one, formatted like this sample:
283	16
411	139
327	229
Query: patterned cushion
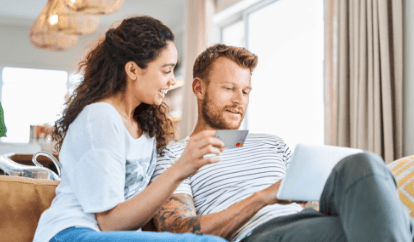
403	170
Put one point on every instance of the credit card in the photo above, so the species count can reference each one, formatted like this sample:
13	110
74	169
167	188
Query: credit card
232	138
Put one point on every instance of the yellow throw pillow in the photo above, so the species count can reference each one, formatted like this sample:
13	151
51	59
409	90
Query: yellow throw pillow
403	171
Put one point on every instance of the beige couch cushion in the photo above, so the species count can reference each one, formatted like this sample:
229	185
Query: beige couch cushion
22	201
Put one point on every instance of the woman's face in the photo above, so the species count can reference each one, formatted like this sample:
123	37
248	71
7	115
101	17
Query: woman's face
154	81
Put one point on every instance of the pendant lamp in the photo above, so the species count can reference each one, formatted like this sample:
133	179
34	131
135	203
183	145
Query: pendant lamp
61	18
42	36
95	6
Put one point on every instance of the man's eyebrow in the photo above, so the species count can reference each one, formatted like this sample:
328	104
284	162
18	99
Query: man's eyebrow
248	87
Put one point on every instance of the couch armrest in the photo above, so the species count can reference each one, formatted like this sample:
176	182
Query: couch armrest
22	202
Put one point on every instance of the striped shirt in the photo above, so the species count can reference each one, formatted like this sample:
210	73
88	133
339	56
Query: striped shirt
241	172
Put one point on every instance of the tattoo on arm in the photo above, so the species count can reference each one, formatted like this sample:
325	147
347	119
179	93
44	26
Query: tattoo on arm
178	215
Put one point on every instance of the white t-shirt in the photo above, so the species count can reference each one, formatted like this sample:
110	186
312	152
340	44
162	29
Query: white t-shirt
241	172
102	166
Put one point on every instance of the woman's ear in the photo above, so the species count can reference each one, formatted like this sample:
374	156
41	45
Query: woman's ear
132	70
199	88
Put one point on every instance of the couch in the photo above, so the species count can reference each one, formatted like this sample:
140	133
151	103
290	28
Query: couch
22	200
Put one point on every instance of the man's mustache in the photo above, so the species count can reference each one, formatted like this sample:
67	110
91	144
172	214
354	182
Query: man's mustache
235	108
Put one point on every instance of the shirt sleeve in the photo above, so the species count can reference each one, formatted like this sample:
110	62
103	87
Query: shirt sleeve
97	169
166	161
282	149
287	154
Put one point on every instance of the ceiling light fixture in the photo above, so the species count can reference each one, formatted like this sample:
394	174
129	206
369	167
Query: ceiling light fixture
95	6
44	35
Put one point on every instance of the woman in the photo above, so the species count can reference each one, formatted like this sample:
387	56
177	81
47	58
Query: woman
109	135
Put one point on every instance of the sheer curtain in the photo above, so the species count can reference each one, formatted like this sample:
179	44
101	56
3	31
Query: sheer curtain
364	75
197	37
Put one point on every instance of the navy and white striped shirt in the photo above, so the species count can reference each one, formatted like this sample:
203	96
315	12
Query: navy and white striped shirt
241	172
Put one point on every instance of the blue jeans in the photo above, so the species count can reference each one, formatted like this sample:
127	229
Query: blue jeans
359	203
79	234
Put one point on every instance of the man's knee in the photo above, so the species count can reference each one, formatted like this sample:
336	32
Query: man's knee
362	164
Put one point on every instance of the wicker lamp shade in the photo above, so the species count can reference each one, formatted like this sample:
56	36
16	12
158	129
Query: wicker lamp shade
44	37
95	6
53	40
57	17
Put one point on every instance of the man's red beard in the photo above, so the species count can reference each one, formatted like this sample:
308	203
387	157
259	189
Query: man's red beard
213	117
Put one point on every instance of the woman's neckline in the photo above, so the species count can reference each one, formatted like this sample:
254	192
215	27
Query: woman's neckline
119	115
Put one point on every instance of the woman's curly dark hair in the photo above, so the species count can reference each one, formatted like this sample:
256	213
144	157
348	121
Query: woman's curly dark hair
139	39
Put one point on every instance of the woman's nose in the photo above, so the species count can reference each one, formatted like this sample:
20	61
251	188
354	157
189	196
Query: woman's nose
173	80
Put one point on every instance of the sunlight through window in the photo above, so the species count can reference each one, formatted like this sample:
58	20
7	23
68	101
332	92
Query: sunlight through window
287	96
31	97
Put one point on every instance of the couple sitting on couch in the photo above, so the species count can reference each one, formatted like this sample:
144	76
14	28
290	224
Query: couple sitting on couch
113	141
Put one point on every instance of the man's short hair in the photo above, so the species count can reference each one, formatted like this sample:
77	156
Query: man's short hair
240	56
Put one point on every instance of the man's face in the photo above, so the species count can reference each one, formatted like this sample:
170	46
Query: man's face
227	95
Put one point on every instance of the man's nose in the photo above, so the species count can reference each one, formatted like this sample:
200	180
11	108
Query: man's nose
238	96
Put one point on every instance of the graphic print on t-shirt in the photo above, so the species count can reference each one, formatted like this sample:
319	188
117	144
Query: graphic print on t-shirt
137	175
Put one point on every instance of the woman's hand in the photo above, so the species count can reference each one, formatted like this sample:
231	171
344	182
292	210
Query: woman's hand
199	145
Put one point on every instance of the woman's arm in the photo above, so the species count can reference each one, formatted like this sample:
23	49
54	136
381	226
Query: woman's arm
137	211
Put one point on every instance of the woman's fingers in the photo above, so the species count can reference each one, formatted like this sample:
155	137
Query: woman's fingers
205	161
209	149
205	138
202	135
210	141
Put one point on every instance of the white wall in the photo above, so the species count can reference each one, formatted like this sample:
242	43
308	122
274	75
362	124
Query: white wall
409	77
16	50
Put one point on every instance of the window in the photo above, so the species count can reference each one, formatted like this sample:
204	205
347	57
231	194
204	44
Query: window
31	97
233	34
287	95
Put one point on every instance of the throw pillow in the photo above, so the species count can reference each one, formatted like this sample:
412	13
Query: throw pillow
403	171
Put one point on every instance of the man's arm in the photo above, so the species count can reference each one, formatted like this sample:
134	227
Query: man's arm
178	214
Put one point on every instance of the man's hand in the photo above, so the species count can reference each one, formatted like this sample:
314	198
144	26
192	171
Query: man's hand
269	195
310	204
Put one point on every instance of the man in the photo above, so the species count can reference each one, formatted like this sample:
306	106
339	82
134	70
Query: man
236	197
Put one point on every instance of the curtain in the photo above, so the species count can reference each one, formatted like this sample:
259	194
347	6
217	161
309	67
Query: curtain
364	75
197	37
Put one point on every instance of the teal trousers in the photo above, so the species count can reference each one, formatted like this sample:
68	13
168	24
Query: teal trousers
359	203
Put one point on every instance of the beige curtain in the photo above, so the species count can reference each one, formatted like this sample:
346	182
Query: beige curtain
197	37
364	75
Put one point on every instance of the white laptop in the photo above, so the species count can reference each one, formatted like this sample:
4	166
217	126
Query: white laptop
308	171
